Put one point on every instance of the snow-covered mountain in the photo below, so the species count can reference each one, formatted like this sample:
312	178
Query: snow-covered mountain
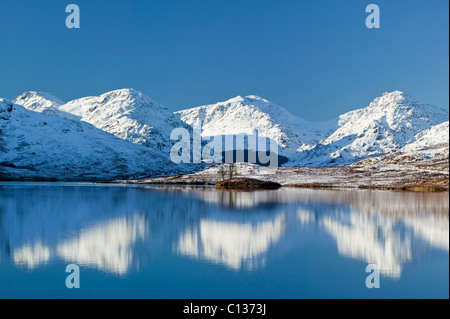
246	115
430	140
126	113
129	115
392	122
430	151
388	124
37	101
42	102
427	157
39	146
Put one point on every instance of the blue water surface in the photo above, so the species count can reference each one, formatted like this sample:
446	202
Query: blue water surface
136	241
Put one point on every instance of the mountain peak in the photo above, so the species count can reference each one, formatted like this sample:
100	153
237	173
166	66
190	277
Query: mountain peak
248	99
124	91
117	101
256	98
126	95
236	99
395	93
37	101
395	98
389	123
128	114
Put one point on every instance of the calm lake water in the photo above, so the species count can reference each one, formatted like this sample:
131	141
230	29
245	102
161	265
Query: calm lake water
187	242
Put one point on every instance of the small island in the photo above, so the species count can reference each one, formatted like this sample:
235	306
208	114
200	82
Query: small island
246	184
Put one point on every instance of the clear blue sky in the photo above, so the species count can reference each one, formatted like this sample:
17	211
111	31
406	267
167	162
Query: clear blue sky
314	57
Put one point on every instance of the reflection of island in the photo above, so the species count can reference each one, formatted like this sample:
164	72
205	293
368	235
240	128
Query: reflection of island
116	229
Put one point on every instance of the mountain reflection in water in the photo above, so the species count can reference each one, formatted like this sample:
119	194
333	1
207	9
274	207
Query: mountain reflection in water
117	228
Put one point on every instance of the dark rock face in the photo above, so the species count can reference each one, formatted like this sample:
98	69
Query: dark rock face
246	184
5	109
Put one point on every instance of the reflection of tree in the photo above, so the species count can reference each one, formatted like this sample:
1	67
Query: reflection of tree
397	204
227	198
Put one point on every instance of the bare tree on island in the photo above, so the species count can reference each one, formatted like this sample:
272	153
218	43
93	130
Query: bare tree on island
232	170
222	172
228	171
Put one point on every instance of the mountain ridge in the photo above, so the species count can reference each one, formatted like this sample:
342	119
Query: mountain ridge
387	125
246	115
49	147
129	115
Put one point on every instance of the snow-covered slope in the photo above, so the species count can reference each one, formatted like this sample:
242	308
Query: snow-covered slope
38	146
430	140
430	151
129	115
246	115
45	103
37	101
389	123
